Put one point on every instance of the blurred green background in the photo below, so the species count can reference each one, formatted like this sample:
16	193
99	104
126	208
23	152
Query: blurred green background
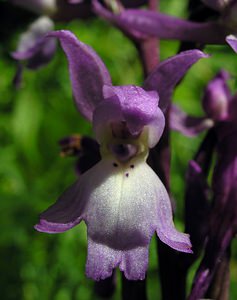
32	174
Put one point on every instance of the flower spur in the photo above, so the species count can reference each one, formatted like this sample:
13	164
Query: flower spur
121	199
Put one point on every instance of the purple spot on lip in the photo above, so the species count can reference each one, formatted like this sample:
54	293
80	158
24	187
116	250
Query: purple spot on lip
127	174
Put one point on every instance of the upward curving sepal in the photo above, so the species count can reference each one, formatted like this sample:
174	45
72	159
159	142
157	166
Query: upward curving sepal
168	73
232	41
88	73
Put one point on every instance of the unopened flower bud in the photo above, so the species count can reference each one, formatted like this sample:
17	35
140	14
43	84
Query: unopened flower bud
216	97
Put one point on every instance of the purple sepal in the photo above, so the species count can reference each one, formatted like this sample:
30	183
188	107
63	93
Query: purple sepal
50	227
168	27
188	125
166	230
116	20
232	41
87	72
33	51
119	231
65	213
33	47
101	260
168	73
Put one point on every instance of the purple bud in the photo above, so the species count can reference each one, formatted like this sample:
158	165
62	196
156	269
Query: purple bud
216	97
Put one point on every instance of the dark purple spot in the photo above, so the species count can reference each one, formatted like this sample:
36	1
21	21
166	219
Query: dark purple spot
123	152
115	165
127	174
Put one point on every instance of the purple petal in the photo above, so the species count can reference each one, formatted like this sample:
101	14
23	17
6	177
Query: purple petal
165	227
232	41
87	72
129	220
119	231
169	27
134	106
101	260
137	210
188	125
168	73
217	97
33	47
65	213
135	263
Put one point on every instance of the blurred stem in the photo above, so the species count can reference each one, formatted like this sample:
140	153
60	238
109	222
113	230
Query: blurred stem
133	290
219	288
205	152
215	254
196	210
105	288
149	47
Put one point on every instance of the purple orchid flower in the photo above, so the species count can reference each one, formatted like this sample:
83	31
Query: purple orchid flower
33	46
216	104
33	49
141	23
121	199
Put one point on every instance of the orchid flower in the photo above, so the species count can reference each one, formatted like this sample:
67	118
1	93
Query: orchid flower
121	199
216	104
145	22
32	50
32	47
